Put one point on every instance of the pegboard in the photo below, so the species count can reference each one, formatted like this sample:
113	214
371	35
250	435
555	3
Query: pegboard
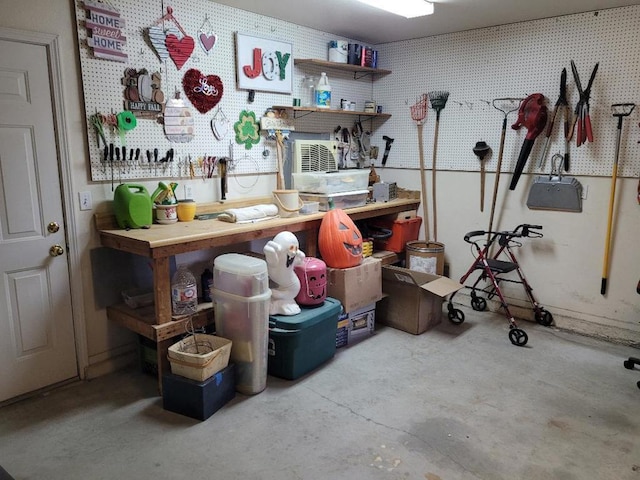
516	60
104	91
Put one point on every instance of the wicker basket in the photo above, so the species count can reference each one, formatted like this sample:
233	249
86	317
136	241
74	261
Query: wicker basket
199	356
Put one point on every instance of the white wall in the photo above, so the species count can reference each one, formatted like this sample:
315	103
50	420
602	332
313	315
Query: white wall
564	267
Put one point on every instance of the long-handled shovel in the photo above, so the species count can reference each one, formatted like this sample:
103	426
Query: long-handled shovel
418	114
438	101
506	106
619	110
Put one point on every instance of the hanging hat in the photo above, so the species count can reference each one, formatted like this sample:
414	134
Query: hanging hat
481	149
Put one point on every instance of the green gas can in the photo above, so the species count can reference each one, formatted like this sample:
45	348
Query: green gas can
132	205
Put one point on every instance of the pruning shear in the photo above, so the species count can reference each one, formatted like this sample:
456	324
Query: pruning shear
562	105
582	118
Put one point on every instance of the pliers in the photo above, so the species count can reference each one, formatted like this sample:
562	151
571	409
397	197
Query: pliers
582	117
562	105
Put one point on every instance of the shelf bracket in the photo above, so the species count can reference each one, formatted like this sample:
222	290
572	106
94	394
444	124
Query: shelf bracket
296	115
356	77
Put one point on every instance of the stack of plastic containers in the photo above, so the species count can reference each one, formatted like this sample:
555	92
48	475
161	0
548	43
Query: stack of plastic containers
241	298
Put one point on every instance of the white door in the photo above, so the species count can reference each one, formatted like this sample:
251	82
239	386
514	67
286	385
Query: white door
37	345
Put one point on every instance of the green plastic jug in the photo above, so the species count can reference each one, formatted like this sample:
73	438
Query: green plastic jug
132	205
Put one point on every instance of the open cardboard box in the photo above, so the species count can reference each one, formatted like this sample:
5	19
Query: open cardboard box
413	300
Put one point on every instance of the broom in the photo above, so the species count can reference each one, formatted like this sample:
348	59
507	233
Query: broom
438	101
418	114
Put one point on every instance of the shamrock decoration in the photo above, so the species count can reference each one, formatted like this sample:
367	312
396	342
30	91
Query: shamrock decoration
247	129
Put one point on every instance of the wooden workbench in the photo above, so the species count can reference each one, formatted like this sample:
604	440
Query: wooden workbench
160	242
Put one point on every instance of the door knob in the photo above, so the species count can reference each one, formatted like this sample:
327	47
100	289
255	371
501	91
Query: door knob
53	227
56	250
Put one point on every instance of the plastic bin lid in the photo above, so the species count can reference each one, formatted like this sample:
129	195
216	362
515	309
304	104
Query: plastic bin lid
308	316
240	264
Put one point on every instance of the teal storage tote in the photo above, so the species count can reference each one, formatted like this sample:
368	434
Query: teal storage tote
299	343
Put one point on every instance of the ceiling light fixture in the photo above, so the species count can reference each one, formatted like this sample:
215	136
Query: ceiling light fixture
405	8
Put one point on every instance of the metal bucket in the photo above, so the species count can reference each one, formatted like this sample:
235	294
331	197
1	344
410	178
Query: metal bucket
425	257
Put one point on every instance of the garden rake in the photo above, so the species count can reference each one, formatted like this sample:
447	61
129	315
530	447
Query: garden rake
418	114
438	101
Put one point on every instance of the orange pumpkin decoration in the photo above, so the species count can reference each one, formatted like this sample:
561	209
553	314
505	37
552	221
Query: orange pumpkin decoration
339	240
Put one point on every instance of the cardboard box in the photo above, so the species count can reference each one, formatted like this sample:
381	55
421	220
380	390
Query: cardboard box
342	333
414	299
356	287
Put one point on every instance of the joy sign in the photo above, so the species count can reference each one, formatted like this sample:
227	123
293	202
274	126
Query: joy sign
264	64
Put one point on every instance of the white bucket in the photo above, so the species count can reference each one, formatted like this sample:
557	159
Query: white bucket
288	202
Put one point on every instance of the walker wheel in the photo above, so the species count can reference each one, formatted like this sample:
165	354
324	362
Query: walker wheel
628	364
479	304
456	316
518	337
544	317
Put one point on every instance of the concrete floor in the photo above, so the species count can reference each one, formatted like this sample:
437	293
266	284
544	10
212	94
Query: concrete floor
459	402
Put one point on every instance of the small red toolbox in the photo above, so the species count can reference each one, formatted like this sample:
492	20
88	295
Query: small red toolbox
402	231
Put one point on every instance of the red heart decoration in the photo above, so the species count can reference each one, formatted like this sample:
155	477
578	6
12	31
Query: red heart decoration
203	91
179	49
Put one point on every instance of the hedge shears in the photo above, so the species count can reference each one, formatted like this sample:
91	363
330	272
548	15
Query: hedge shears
582	118
562	105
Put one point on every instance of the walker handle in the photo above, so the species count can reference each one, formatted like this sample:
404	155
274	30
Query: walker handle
475	233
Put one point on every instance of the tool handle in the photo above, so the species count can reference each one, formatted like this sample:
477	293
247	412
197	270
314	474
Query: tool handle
579	136
607	247
522	160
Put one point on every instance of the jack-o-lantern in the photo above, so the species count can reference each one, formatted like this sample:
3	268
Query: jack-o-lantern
339	240
313	282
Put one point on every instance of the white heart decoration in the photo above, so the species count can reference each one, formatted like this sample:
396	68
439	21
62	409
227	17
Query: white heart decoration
207	41
157	37
220	127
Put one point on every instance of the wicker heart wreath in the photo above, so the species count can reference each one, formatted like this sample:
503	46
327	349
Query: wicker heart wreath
203	91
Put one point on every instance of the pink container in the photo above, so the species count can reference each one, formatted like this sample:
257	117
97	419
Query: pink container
313	282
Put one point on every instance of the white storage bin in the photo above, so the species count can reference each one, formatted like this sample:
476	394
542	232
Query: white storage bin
340	200
240	274
331	182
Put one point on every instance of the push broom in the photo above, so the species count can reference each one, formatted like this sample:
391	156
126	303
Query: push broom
438	101
418	114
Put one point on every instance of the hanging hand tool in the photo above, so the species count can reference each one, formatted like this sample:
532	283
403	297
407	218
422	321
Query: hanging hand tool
111	162
562	105
533	115
155	161
618	110
222	172
582	118
506	106
481	150
438	101
387	149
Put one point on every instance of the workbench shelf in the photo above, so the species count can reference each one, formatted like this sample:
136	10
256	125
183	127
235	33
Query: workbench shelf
299	112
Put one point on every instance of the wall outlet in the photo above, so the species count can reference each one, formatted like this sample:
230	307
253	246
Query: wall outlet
86	203
585	191
188	191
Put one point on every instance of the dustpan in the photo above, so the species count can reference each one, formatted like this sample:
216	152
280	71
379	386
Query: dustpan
554	192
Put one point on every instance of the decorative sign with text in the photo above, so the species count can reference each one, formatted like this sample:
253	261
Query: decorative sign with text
264	64
104	31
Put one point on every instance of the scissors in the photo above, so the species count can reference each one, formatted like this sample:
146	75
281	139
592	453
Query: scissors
582	117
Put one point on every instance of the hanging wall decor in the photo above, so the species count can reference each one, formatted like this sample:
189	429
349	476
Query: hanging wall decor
177	44
142	93
206	37
156	35
203	91
264	64
247	129
178	121
104	34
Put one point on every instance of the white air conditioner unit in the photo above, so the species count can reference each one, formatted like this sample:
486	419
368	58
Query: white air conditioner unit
315	156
